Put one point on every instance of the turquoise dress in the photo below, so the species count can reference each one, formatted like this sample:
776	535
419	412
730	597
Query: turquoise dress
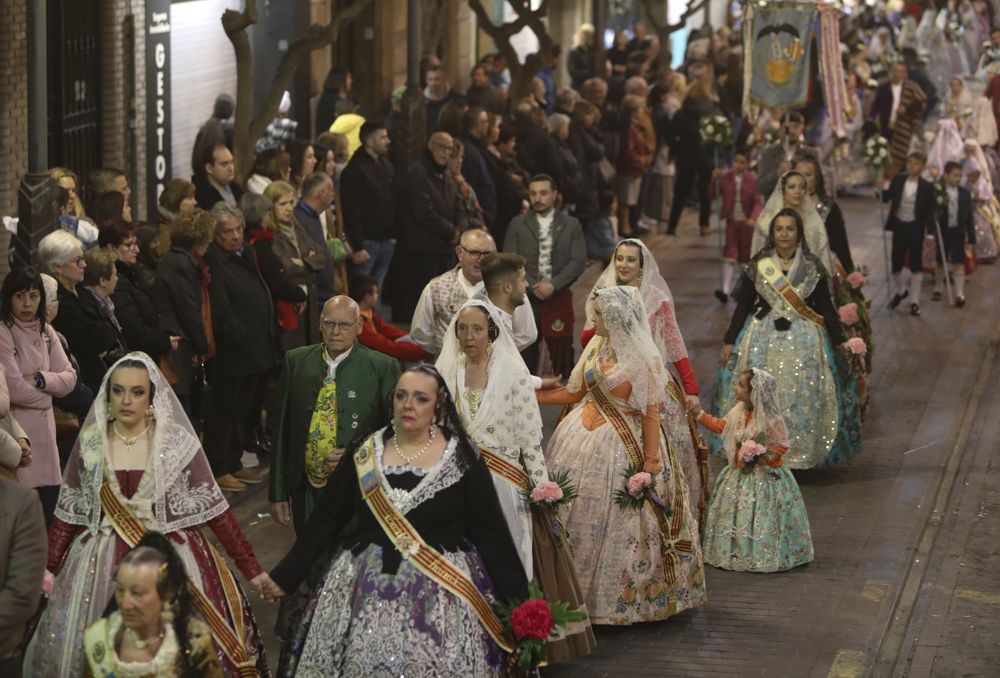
820	393
757	521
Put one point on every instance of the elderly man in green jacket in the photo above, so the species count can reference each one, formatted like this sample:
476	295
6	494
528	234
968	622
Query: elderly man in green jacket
330	393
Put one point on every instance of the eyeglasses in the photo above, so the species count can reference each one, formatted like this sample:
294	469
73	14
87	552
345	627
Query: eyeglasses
78	261
442	146
342	325
475	254
131	244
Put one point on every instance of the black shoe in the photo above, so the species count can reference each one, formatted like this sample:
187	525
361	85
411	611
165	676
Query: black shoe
894	302
936	296
959	302
721	296
915	310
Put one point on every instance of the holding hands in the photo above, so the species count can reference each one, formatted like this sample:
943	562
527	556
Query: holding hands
265	587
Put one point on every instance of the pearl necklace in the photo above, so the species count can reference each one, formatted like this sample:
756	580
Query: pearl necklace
129	442
143	644
409	460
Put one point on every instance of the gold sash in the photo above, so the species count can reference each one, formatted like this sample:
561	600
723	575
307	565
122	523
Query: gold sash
700	447
97	649
505	470
229	639
414	549
776	279
672	546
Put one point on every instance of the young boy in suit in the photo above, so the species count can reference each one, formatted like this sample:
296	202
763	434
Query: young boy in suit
957	228
741	204
911	217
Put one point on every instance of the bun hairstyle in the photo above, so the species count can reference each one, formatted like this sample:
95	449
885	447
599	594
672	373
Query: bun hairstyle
492	331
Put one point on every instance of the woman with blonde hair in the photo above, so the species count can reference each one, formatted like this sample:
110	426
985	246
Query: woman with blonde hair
66	178
301	258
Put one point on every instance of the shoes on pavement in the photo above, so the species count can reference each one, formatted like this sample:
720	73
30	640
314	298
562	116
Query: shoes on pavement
915	310
894	302
721	296
936	296
249	475
230	484
959	302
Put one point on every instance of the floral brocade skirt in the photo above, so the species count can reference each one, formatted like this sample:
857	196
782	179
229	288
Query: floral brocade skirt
363	622
757	522
630	570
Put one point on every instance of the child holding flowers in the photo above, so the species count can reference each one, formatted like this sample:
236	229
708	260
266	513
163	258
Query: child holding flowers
757	520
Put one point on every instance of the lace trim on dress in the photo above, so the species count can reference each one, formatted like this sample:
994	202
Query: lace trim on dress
442	475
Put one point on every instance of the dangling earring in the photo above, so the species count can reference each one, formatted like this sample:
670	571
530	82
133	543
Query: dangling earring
150	412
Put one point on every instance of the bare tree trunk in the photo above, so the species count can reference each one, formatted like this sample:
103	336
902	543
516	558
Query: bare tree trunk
520	74
664	29
248	126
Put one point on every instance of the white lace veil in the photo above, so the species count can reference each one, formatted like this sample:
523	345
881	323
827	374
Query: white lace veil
638	358
947	146
767	411
508	415
982	124
184	491
983	190
815	227
657	298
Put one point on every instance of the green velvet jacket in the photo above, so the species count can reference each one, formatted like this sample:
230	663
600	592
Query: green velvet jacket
364	382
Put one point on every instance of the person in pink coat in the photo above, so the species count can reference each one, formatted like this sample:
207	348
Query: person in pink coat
741	204
36	371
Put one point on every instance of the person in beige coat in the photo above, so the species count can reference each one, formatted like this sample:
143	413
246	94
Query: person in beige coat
22	568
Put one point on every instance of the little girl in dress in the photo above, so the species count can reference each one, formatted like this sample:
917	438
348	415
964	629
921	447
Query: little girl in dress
756	521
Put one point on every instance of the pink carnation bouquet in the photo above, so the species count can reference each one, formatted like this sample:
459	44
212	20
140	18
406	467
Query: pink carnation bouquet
748	454
546	491
848	313
547	496
856	280
638	488
857	346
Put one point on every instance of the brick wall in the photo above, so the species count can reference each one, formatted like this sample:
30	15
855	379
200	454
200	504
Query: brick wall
124	136
13	101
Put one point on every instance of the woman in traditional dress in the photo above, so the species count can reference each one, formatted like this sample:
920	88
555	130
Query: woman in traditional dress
634	265
138	466
154	629
792	335
793	191
495	399
409	500
986	208
947	146
640	560
829	211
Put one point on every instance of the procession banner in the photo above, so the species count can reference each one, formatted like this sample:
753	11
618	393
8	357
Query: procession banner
778	43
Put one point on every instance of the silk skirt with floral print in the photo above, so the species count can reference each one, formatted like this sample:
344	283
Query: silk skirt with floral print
757	521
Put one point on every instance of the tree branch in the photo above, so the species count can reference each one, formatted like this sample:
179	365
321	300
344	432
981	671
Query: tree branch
647	6
693	7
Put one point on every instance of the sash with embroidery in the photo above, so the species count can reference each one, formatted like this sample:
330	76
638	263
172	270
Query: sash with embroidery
504	470
700	447
672	546
97	649
407	540
230	639
780	284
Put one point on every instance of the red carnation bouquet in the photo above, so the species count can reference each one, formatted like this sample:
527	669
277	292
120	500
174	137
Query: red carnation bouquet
532	623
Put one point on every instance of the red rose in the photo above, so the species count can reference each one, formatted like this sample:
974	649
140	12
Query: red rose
532	619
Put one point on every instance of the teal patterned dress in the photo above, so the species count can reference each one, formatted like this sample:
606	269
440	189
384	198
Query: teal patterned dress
820	393
757	521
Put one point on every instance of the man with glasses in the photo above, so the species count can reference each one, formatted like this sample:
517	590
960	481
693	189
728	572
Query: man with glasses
329	394
445	294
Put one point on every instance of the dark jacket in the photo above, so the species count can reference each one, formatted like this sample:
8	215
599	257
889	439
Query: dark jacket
590	173
89	332
477	173
537	152
581	65
271	268
569	251
836	234
206	195
309	219
510	180
488	96
434	207
137	313
243	320
925	208
368	199
686	132
966	221
177	290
